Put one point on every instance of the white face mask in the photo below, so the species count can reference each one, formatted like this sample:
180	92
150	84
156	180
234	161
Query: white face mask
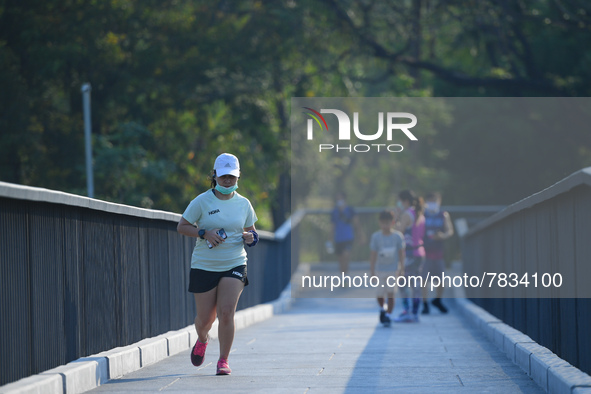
432	206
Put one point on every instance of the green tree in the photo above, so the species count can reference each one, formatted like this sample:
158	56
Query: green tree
177	82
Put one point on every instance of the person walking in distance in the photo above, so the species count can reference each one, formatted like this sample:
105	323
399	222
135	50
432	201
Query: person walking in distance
344	223
412	225
222	221
438	227
386	259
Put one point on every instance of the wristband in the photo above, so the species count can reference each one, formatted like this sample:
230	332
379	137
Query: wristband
256	238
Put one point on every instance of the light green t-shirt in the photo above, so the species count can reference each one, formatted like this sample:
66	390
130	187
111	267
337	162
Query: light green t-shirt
387	247
233	215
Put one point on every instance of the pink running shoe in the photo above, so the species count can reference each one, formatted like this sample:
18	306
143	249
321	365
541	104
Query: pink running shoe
223	367
198	352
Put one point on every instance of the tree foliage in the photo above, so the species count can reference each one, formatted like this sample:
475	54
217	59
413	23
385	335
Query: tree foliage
176	82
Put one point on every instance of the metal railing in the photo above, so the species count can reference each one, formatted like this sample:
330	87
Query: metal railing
79	276
549	231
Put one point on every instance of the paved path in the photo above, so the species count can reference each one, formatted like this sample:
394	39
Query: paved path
338	346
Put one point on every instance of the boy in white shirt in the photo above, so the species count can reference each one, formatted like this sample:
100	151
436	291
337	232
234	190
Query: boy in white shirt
386	259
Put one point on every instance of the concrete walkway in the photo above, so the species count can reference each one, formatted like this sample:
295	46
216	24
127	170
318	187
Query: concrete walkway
338	346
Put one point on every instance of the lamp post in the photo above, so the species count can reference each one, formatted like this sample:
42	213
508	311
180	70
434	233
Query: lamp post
86	88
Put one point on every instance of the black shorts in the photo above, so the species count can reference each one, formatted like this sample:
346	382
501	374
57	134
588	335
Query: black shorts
201	281
341	247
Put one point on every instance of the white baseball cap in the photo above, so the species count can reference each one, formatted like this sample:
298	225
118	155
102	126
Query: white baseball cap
225	164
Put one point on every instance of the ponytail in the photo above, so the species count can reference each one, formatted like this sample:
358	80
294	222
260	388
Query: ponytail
419	206
211	177
416	202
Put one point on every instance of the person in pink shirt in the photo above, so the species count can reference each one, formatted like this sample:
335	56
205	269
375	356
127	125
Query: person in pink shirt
412	225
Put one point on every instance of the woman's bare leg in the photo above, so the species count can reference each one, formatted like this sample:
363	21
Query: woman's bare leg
206	312
229	290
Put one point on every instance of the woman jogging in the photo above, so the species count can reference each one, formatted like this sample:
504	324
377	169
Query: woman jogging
412	225
224	223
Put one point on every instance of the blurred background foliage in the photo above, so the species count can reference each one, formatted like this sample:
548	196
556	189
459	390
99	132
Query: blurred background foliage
176	82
